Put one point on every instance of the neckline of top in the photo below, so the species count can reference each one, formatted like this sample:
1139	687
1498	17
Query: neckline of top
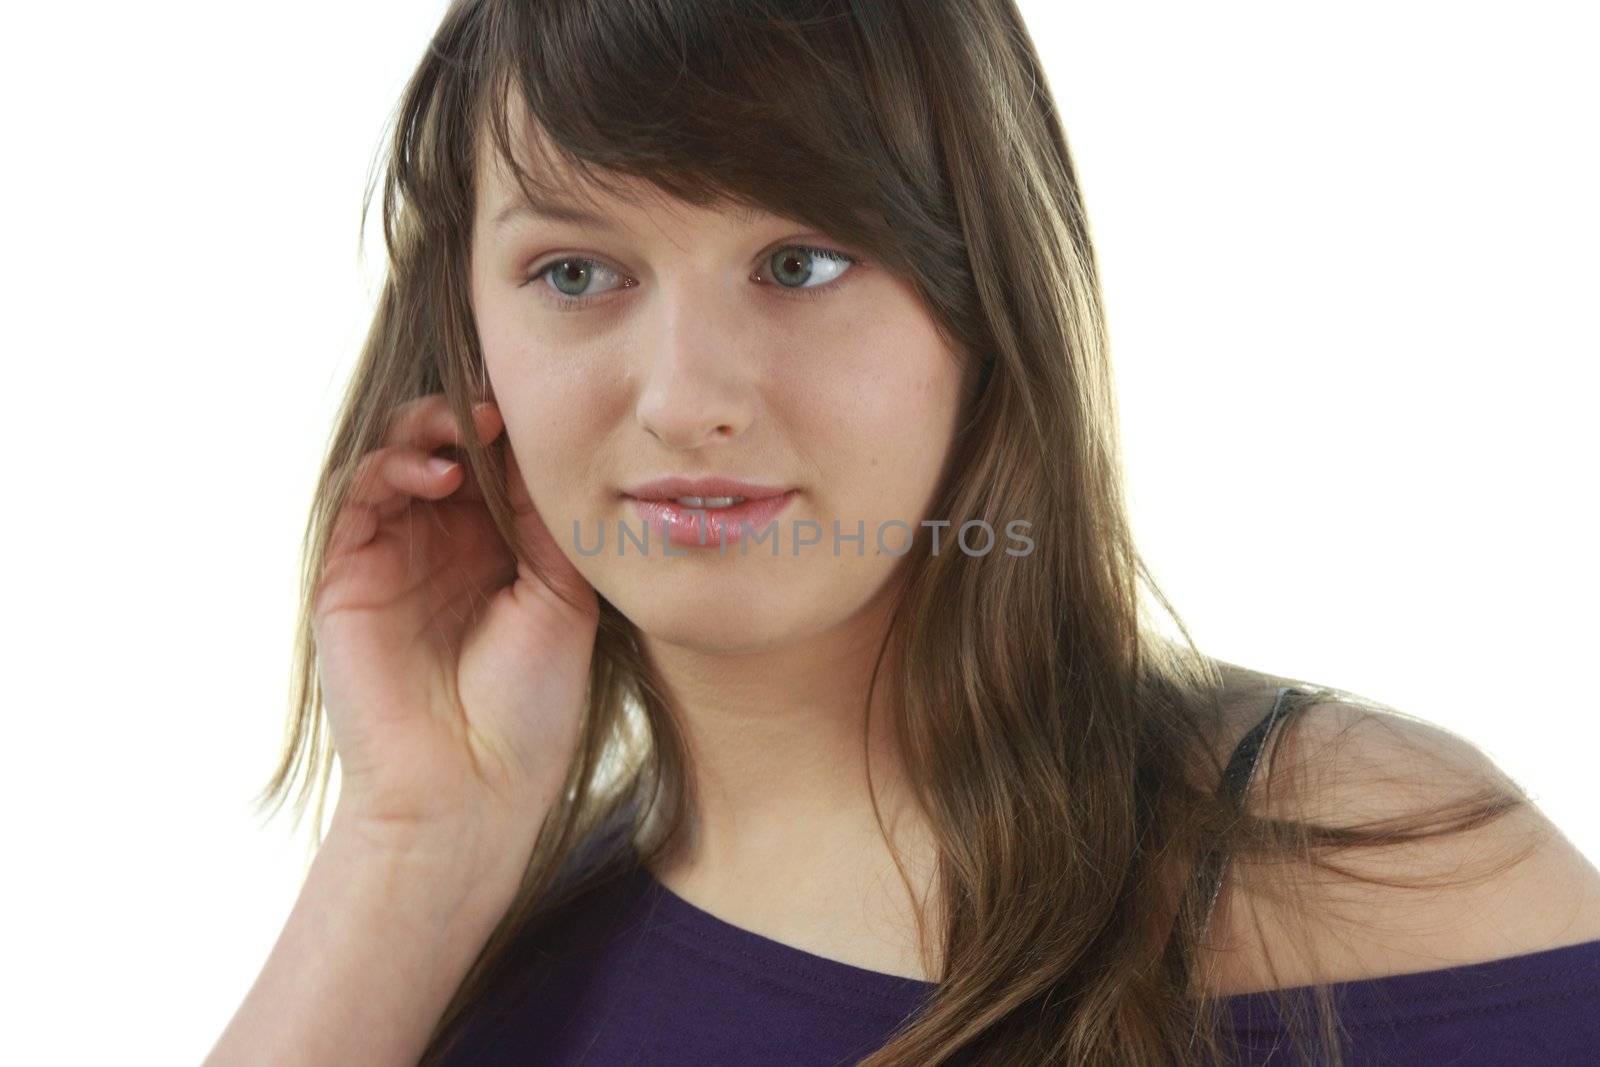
740	945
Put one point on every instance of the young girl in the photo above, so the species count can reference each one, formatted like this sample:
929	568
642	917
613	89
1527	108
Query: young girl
719	596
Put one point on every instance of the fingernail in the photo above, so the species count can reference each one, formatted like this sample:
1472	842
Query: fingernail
440	466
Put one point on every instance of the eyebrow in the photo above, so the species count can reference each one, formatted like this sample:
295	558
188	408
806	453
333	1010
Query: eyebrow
561	211
548	211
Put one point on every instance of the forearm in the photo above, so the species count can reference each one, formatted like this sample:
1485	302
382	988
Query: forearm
378	940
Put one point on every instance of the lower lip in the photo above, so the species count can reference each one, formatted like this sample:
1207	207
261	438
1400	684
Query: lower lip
709	527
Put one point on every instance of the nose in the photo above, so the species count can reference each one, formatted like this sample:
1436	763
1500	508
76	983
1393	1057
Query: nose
694	388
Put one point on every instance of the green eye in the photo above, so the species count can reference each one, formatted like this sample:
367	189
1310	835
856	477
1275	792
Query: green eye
572	277
793	266
573	282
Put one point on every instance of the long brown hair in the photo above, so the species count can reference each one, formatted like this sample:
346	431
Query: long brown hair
1065	752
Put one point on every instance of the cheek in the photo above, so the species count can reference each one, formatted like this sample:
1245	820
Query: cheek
884	400
533	375
555	410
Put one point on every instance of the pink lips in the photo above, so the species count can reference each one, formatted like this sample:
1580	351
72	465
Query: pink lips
704	527
671	488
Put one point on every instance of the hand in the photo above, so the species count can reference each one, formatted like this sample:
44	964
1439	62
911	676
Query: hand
454	677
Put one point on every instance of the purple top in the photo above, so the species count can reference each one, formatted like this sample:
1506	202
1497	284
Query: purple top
634	974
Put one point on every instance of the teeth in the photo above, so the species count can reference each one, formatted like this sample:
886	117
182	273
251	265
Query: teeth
709	501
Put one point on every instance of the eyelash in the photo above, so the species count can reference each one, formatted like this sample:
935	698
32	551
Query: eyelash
815	292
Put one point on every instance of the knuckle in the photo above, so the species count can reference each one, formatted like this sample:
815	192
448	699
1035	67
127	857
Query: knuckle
415	416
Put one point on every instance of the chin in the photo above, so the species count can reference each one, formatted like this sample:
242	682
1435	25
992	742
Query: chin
734	615
712	637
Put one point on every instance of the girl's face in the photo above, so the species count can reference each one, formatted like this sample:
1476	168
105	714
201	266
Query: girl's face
661	340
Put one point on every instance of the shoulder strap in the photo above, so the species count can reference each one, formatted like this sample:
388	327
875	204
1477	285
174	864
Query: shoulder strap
1241	769
1235	786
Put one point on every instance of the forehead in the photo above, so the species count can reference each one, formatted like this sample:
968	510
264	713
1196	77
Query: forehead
547	172
556	192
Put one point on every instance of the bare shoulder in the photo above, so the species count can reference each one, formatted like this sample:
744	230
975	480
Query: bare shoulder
1504	884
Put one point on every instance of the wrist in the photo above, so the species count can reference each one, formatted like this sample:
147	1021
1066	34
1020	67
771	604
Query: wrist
468	865
386	926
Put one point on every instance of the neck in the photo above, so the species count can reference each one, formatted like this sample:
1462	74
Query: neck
780	743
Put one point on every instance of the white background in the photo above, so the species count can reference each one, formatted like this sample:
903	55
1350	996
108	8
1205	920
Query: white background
1350	258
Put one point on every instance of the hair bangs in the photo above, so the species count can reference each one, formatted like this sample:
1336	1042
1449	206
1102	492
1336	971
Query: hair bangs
750	104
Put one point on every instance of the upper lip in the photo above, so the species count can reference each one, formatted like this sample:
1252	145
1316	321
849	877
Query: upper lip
672	488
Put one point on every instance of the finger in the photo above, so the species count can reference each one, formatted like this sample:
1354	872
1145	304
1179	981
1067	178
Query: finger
442	431
445	440
428	423
368	488
416	473
384	483
490	427
388	477
352	529
469	488
373	484
407	421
